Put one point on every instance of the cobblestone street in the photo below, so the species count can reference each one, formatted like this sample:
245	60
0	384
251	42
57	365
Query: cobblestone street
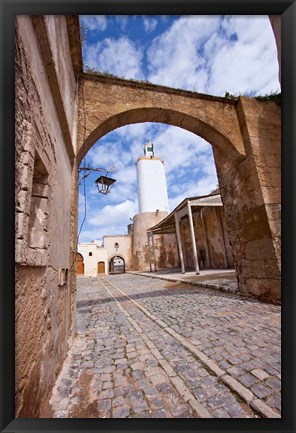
149	348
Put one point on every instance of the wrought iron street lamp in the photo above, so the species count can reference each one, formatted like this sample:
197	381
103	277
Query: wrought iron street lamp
104	184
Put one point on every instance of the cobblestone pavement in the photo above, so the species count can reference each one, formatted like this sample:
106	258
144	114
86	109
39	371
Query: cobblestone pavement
147	348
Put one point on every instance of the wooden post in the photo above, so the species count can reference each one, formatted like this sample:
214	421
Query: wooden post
179	242
149	252
193	239
153	248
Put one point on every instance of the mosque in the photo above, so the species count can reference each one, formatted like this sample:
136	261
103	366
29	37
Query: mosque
191	237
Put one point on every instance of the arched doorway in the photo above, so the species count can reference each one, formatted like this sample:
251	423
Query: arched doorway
116	265
101	267
79	264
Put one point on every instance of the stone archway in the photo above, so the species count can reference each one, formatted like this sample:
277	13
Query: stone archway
116	265
245	136
107	103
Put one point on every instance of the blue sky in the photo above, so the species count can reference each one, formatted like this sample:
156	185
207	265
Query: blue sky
213	55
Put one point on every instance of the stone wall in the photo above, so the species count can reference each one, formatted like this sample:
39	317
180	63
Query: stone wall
251	193
43	181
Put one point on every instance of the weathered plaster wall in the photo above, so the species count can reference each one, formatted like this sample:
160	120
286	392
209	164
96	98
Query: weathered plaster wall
212	242
105	253
59	45
91	261
165	245
43	181
123	250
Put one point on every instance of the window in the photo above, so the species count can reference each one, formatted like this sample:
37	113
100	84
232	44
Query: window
116	245
38	219
90	254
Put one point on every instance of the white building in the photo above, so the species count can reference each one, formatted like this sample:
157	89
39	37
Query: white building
113	257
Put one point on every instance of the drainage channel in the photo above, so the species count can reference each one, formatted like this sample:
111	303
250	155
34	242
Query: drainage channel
249	404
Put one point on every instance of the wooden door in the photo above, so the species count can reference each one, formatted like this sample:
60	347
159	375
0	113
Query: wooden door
101	267
79	264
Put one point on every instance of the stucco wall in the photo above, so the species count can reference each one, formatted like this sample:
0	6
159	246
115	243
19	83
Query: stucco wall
211	238
166	254
123	250
59	44
43	186
105	253
91	256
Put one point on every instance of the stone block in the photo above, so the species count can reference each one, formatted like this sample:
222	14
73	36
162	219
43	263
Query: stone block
260	269
37	238
40	190
24	175
266	288
21	225
259	249
237	387
22	202
263	409
39	206
20	246
260	374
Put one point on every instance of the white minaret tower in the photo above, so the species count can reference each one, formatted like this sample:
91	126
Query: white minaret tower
153	207
152	189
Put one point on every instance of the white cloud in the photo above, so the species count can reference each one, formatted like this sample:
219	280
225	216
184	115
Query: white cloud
214	55
94	22
90	235
149	24
123	21
173	58
109	154
247	64
194	188
179	148
120	57
110	215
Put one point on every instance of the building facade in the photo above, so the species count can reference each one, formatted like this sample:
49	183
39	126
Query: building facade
114	256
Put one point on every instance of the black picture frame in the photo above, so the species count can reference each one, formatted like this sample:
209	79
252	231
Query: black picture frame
8	10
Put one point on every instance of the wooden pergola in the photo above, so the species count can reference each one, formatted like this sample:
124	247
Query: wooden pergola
171	225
